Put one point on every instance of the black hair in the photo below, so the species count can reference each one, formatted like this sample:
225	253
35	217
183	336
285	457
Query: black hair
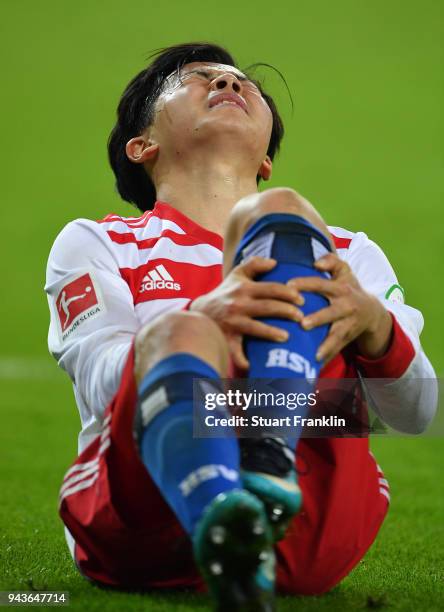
136	112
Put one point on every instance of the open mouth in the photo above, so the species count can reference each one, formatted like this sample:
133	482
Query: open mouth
226	99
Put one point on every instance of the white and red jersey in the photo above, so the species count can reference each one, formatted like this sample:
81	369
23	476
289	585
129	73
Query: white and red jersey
107	278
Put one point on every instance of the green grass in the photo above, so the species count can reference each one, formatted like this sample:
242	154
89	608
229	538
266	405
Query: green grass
364	144
404	570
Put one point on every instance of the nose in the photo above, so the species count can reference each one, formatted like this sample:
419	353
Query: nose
228	82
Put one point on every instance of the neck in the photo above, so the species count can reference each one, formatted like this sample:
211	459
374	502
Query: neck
205	193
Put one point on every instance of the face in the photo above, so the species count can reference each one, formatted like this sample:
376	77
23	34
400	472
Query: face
213	104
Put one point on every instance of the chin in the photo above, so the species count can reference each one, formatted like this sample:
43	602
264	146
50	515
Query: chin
233	134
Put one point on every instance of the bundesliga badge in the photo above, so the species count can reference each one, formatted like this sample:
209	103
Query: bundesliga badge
76	302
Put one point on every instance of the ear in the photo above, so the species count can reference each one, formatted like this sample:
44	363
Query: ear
139	151
266	168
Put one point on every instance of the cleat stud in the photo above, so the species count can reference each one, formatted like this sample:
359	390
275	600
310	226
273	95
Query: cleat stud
277	510
216	568
257	528
218	534
263	555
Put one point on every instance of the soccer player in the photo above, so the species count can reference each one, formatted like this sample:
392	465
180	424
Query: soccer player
215	279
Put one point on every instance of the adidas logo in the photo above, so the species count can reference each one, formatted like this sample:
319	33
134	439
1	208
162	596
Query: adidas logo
158	278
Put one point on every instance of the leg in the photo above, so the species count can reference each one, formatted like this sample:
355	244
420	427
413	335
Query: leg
126	534
334	530
115	512
281	224
199	477
171	334
189	471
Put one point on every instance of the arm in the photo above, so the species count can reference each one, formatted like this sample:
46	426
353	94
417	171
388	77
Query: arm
408	403
89	336
365	310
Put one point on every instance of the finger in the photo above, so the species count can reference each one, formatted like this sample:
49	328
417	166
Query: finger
315	284
274	309
276	291
237	352
255	265
258	329
334	343
333	264
338	310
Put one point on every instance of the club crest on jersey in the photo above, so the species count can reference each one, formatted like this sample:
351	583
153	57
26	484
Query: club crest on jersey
158	278
395	294
78	301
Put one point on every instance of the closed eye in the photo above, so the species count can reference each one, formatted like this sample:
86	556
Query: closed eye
211	75
204	73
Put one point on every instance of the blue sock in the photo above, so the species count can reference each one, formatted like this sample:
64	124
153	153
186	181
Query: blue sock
189	471
296	244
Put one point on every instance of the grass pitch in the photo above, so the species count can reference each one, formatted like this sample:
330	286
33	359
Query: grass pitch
404	570
364	144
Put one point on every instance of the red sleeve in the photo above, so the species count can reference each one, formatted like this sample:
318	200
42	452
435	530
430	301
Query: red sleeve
394	362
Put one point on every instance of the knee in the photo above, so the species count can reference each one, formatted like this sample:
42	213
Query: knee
278	200
282	200
180	332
